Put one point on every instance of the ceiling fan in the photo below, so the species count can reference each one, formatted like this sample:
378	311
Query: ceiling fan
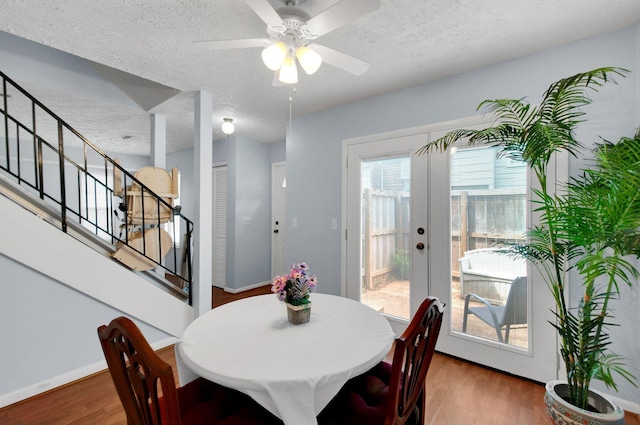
292	33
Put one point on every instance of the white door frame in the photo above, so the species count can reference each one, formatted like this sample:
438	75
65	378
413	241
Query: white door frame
543	366
276	211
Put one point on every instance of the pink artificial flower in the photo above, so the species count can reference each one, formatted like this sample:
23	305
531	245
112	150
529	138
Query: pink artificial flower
278	283
313	281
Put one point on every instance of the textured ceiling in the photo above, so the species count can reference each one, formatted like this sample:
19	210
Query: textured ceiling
407	42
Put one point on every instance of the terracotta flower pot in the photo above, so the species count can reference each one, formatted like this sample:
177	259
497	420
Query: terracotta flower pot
298	314
563	413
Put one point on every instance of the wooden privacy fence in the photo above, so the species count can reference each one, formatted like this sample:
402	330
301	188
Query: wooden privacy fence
485	219
479	219
386	227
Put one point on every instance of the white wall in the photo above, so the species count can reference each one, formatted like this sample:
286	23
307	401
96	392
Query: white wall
314	147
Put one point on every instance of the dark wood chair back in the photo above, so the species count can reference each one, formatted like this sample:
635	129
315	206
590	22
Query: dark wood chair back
392	394
138	373
411	359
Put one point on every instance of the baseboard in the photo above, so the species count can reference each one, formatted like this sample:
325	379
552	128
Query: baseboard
247	288
626	405
65	378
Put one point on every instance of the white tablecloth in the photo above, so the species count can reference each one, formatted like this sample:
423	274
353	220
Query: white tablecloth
292	370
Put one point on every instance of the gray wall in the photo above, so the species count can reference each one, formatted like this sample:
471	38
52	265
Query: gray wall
248	195
28	62
253	201
278	152
38	316
316	139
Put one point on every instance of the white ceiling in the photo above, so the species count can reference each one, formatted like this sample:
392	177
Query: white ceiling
407	42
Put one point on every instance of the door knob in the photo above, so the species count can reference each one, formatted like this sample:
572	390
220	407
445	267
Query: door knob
275	231
420	246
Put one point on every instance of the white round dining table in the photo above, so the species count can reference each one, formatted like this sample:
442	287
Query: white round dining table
291	370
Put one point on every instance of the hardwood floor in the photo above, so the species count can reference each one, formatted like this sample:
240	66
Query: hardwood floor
458	393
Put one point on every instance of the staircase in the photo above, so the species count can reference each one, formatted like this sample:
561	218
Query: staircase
70	183
60	223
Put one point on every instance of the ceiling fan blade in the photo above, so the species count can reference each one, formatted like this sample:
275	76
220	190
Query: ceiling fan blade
341	60
234	44
341	13
263	9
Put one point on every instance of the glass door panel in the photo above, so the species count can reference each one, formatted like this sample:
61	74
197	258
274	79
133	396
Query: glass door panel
385	227
488	211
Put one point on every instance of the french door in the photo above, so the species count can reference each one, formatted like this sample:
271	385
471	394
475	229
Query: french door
384	208
413	221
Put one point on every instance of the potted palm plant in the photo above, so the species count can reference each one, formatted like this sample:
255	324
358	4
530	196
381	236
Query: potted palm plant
593	227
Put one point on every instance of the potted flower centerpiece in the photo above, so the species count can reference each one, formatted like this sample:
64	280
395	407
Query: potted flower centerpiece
591	226
294	289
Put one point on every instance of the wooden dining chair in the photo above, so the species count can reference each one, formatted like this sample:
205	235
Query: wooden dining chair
392	394
147	390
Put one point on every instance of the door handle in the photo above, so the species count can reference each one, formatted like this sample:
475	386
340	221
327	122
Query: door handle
420	246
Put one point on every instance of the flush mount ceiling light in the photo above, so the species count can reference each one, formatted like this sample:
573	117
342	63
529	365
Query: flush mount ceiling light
292	32
227	126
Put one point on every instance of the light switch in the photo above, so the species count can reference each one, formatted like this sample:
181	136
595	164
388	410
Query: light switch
334	224
294	222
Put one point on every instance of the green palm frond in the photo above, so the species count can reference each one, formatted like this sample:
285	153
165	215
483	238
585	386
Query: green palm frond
609	365
591	227
534	133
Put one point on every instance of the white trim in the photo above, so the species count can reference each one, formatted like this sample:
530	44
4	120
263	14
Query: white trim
275	165
626	405
66	378
423	129
246	288
441	126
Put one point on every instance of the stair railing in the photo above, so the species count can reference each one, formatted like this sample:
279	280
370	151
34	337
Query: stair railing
61	178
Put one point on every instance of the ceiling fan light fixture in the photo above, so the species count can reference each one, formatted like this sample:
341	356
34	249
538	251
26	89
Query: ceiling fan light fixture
273	56
309	59
289	71
227	126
